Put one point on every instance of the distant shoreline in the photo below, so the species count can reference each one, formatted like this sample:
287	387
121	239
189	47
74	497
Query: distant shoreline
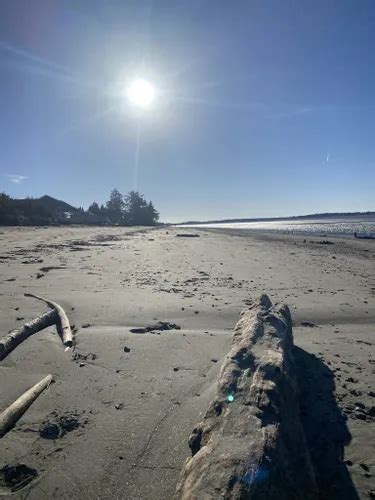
346	227
325	216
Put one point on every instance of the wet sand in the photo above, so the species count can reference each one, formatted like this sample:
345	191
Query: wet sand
135	408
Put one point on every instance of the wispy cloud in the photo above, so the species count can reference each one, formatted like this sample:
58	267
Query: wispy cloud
17	179
295	112
327	159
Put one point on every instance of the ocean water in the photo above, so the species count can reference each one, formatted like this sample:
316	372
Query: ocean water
345	227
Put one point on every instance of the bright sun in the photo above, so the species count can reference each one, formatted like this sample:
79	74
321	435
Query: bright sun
141	93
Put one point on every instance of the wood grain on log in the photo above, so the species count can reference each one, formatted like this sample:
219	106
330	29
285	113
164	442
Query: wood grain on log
251	443
12	339
14	412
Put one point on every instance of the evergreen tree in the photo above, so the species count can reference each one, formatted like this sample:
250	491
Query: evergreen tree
94	208
153	214
138	212
115	207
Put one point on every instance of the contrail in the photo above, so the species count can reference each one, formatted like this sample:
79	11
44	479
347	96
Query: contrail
245	106
296	112
32	57
28	61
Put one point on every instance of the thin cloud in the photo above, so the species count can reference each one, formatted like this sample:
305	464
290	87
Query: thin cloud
327	159
295	113
17	179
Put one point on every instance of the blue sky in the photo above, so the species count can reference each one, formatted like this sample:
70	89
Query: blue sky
263	108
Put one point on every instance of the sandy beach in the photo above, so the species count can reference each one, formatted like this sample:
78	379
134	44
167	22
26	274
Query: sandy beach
134	397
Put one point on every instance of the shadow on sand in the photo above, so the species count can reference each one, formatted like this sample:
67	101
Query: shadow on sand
325	427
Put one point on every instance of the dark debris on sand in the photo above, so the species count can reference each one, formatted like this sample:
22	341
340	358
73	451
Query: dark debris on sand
15	477
159	326
58	425
308	324
90	356
187	235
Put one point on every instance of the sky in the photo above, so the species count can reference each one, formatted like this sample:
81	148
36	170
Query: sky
262	108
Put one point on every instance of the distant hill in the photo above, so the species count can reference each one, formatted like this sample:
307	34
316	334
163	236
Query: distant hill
53	205
332	215
42	211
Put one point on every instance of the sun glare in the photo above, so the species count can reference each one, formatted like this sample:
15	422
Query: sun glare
141	93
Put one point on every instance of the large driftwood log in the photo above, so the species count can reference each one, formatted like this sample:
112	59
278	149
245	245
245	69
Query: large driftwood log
14	412
251	444
66	331
18	335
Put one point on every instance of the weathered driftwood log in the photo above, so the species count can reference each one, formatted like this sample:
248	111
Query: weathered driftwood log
66	331
18	335
251	444
14	412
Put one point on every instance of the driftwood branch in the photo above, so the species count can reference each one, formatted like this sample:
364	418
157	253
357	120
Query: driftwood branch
18	335
14	412
66	331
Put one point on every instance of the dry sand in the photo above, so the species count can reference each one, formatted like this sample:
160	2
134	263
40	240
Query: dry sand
136	409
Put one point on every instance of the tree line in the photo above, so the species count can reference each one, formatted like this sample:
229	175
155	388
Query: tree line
129	210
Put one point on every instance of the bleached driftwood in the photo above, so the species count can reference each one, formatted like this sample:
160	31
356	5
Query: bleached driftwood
55	316
14	412
251	443
66	331
18	335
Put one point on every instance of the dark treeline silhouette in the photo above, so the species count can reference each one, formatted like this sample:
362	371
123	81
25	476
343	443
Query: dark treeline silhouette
129	210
